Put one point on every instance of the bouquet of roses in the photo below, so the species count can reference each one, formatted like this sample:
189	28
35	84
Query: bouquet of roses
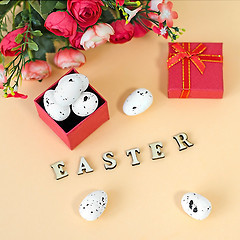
35	25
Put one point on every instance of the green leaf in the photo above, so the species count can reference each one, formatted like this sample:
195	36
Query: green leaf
61	5
19	38
18	20
109	4
5	8
1	58
47	6
45	44
37	21
107	16
33	46
15	48
37	33
36	6
25	15
4	2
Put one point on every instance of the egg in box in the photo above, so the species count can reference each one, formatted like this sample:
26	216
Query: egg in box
72	108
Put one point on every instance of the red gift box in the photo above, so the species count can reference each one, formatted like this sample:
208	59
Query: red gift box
74	129
195	70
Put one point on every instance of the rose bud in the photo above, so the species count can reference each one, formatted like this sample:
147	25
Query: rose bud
96	35
36	70
69	57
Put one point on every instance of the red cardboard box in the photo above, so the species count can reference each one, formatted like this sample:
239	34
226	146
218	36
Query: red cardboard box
74	129
195	70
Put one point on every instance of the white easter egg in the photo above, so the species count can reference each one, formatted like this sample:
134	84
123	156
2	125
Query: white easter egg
86	104
54	110
93	205
78	78
69	88
196	206
137	102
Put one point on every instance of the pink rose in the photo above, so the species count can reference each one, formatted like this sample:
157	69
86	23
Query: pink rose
68	57
61	24
8	42
123	32
36	70
96	35
86	12
3	77
75	40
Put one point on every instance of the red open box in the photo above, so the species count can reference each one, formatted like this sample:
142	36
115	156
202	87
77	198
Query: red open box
74	129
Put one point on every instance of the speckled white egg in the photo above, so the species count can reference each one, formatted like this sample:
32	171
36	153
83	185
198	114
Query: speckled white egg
93	205
86	104
196	206
137	102
69	88
77	78
54	110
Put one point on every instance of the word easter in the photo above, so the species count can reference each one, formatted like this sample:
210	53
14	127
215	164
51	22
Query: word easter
181	139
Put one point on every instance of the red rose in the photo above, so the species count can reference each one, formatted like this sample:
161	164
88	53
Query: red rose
139	29
86	12
120	2
123	32
8	42
75	40
61	24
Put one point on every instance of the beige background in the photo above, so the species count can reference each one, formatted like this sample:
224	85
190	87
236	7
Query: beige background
144	201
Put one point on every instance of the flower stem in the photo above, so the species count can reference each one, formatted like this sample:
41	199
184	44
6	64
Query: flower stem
142	23
133	4
118	13
30	54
